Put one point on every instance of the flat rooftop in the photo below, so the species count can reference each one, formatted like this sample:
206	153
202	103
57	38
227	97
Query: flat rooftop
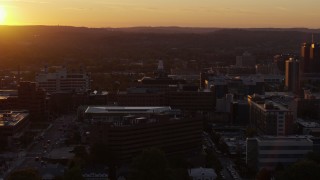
202	171
4	94
308	124
285	138
288	94
12	118
276	106
4	97
126	109
61	153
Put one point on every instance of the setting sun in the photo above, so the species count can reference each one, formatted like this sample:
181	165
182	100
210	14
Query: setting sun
2	15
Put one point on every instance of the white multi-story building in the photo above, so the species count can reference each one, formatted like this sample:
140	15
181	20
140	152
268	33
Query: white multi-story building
270	151
64	81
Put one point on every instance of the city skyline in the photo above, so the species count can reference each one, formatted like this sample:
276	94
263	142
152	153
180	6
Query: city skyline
187	13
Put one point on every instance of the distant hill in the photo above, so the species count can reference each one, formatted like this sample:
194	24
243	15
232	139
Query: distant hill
146	29
54	44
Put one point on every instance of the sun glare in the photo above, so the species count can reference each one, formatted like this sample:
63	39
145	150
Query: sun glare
2	15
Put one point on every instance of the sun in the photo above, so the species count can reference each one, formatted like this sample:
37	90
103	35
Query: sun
2	15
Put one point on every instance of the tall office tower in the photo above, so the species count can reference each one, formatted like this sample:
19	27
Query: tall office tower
309	74
292	81
280	61
205	74
305	55
32	98
314	51
310	53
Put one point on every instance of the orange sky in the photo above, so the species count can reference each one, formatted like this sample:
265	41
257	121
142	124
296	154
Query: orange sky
190	13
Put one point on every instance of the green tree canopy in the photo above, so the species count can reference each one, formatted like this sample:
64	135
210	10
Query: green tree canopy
73	174
302	170
25	174
151	165
263	174
314	156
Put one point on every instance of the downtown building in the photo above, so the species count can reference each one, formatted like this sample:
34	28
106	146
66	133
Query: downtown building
308	107
309	75
12	126
310	54
272	151
292	82
29	97
192	101
127	131
34	99
8	99
163	90
269	117
63	80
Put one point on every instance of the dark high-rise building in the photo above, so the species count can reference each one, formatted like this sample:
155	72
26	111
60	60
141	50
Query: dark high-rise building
310	53
314	51
309	74
292	81
240	112
204	76
280	61
33	99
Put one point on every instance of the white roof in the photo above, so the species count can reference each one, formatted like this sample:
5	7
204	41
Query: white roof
308	124
199	172
126	109
292	138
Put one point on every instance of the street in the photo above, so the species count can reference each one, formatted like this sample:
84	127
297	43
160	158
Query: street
50	138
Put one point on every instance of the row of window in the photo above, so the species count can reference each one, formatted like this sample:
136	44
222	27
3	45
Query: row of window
285	147
281	155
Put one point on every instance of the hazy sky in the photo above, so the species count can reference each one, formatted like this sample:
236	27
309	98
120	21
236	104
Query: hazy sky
190	13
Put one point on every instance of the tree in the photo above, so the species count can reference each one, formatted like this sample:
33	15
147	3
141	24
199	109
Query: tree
151	165
302	170
25	174
279	170
314	156
99	153
179	167
74	174
263	174
212	161
216	137
80	151
223	147
250	132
